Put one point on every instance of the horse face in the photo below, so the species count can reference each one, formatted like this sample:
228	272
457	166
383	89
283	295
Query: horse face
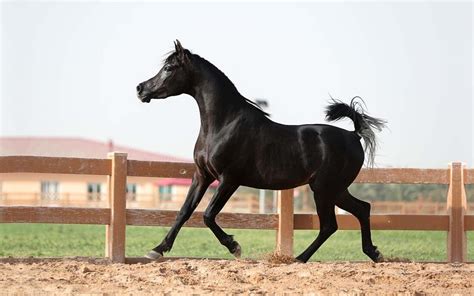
171	80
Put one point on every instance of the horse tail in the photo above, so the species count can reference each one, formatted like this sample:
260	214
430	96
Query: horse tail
363	123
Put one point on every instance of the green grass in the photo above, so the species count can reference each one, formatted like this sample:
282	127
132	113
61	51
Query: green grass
50	240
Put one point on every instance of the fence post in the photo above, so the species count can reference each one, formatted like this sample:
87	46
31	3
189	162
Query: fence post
115	231
285	222
456	205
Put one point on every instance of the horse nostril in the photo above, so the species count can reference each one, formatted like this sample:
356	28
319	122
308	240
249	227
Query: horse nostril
139	88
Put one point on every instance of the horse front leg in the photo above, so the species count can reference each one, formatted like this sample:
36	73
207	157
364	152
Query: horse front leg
218	201
196	192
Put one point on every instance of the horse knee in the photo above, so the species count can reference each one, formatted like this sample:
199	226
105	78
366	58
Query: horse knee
208	219
184	215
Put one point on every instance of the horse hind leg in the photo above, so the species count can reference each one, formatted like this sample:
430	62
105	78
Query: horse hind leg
361	210
327	221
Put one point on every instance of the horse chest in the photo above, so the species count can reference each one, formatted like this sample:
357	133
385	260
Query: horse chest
219	155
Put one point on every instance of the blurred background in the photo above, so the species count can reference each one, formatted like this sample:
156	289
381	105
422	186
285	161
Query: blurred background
69	72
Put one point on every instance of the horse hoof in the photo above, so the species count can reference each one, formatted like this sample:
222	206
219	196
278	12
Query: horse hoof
378	257
153	255
237	252
300	260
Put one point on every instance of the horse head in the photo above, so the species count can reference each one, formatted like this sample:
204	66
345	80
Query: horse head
173	79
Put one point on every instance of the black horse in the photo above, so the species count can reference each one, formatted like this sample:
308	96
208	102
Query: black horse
239	145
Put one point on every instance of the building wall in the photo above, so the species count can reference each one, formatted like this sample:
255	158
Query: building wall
24	187
179	192
146	189
22	190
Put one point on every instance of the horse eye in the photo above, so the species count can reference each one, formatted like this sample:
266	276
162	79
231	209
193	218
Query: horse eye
169	68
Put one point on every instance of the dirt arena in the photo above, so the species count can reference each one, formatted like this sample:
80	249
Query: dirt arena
194	276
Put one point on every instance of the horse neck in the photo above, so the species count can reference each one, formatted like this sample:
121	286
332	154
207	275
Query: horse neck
218	100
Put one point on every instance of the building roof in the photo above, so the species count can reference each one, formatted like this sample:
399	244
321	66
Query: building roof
74	147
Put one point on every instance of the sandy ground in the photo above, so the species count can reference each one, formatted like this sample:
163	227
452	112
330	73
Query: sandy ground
201	276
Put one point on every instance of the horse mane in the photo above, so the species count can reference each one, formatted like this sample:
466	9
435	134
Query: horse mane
254	106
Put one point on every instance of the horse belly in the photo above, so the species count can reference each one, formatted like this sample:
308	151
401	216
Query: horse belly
272	172
274	183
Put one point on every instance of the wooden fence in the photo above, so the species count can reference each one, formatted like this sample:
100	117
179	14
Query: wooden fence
117	168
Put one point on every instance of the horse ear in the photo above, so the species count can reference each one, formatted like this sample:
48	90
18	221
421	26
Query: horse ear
177	46
182	54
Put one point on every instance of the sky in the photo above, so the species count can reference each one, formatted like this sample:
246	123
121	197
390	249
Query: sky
71	68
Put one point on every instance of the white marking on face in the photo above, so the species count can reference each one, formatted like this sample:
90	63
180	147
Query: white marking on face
164	74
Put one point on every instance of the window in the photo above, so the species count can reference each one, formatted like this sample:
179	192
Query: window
93	191
165	192
49	190
132	192
165	189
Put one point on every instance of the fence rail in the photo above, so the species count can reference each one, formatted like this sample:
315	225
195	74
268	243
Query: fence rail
239	203
117	167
